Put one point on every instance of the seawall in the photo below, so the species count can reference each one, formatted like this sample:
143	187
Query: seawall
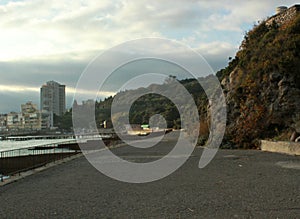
12	165
285	147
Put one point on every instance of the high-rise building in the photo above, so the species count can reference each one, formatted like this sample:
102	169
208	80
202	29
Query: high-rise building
53	99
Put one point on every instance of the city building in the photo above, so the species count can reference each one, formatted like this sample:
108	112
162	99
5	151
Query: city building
46	120
52	98
31	116
29	119
29	107
15	120
3	121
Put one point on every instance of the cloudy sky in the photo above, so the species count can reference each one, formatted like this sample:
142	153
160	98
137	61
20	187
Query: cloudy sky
42	40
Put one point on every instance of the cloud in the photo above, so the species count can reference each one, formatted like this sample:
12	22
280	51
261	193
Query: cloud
17	89
12	96
216	48
56	39
35	28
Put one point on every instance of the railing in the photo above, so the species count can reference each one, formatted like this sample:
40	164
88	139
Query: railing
18	160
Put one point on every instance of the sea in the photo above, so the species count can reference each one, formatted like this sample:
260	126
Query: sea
6	145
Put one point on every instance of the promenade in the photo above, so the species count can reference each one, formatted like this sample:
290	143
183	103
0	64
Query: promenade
236	184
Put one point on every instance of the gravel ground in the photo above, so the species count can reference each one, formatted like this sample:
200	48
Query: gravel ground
236	184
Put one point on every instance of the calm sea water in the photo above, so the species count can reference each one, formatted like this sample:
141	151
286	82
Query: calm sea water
6	145
10	145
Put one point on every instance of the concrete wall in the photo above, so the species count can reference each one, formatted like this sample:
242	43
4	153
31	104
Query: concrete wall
13	165
285	16
285	147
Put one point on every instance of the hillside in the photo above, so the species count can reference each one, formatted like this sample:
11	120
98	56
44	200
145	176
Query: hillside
154	101
262	84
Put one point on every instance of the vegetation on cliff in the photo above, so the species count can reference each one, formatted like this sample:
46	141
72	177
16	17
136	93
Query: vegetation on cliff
262	84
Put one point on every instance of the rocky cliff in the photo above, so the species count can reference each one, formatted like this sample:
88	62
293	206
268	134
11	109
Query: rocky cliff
262	84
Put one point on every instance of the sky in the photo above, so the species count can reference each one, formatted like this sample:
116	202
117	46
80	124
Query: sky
43	40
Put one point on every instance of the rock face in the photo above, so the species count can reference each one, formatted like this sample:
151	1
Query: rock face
262	85
274	108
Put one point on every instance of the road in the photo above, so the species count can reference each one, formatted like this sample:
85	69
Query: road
236	184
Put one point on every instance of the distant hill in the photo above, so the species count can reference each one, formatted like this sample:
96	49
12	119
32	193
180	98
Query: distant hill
152	103
147	105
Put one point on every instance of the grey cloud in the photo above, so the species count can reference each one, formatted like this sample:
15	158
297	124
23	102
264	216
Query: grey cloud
36	73
81	26
12	101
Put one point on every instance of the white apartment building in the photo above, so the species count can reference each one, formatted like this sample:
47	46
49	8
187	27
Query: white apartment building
52	98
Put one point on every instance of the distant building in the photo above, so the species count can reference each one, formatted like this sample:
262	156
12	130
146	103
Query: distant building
281	9
88	102
29	119
31	116
52	98
46	120
3	121
29	107
283	15
15	120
